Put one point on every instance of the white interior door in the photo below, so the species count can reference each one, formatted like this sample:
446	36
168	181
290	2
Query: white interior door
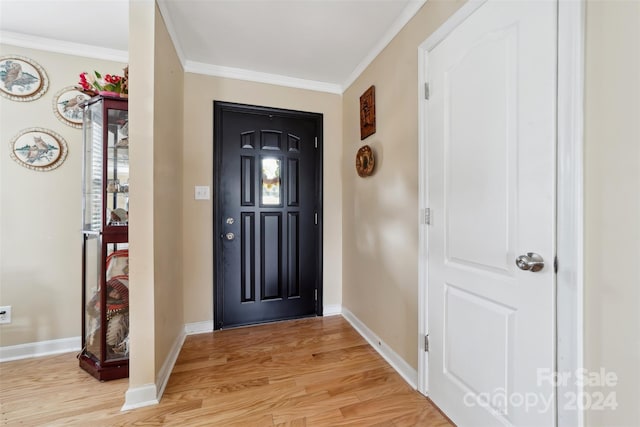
491	139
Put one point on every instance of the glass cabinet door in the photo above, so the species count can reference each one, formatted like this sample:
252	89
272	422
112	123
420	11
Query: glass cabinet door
117	198
117	301
93	307
93	168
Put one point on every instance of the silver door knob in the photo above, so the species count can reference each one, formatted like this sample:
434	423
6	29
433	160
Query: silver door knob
230	221
230	236
531	261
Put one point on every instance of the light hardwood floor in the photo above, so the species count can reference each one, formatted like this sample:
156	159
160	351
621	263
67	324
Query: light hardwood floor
308	372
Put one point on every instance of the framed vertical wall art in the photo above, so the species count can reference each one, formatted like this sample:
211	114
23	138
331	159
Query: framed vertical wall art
368	113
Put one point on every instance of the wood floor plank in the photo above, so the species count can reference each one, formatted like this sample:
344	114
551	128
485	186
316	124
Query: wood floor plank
383	408
328	418
352	382
310	405
307	372
393	385
427	417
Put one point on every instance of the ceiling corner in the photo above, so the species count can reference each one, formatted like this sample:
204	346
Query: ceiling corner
168	22
409	12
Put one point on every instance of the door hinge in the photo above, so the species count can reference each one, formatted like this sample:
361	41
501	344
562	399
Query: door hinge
555	264
426	343
426	91
315	218
315	295
315	143
427	216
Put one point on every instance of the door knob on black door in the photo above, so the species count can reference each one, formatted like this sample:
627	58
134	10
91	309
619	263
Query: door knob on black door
531	261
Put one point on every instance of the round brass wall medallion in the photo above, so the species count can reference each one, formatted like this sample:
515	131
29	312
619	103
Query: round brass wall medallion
364	161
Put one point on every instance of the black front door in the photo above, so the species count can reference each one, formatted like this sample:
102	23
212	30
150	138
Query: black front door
267	214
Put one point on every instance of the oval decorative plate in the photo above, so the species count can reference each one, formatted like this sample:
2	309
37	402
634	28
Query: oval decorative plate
365	161
38	149
22	79
66	106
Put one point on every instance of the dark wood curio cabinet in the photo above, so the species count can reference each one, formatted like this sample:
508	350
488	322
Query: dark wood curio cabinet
105	258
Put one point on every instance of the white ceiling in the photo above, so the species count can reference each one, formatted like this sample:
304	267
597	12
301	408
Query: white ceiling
322	44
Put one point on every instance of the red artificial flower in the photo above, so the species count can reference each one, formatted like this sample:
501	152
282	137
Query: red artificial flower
83	81
106	82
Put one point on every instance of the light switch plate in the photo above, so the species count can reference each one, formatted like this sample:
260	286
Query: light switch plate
202	192
5	314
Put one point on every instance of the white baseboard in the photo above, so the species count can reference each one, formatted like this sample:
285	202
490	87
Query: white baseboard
150	394
169	363
40	348
198	327
405	370
140	397
331	310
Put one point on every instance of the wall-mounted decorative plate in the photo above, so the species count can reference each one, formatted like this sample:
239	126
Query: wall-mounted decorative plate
66	106
22	79
38	149
365	161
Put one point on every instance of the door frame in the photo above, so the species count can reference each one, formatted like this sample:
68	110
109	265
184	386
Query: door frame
218	108
569	203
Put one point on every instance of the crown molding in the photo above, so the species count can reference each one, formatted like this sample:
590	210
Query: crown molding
65	47
97	52
242	74
259	77
409	12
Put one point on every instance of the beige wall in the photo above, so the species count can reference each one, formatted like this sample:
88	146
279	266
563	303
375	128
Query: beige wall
40	213
612	204
199	93
380	213
142	358
167	158
155	108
